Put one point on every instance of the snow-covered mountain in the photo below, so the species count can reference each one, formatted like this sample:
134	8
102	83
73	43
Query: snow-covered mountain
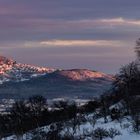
22	81
11	70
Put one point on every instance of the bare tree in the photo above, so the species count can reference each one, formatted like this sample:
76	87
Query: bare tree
112	133
137	48
127	82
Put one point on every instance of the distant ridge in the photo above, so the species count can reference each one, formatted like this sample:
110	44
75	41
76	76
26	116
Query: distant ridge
11	70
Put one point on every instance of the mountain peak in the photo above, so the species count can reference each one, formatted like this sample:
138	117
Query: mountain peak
83	74
11	70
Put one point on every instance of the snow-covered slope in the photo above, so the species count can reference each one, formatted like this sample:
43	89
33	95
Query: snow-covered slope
86	129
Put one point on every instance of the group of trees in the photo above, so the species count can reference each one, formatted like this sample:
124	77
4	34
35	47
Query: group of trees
33	113
127	86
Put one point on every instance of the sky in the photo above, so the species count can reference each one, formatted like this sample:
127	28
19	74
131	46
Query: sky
93	34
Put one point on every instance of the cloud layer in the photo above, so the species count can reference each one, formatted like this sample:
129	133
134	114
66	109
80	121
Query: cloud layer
60	30
81	43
